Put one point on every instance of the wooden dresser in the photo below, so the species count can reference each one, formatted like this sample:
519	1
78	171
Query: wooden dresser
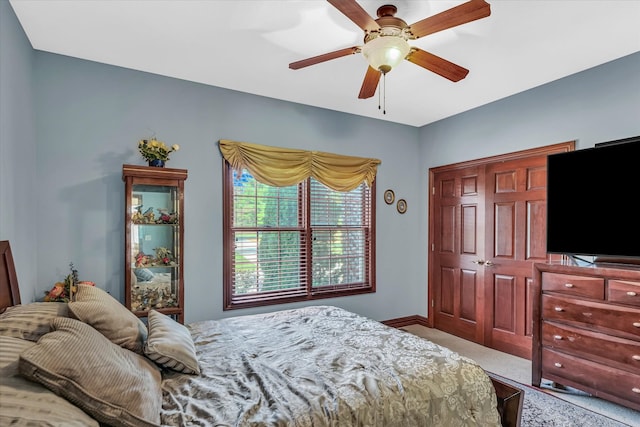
586	329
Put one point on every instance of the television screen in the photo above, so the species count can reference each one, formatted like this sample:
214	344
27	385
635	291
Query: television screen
592	200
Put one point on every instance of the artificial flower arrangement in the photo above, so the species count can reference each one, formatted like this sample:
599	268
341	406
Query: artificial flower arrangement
153	149
157	294
163	257
64	291
148	217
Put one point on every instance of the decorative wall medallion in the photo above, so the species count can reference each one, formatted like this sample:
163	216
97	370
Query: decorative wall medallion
401	206
389	197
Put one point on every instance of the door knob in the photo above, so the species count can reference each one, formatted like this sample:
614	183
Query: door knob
488	264
478	261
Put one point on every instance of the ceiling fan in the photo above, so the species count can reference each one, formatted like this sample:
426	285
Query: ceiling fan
385	40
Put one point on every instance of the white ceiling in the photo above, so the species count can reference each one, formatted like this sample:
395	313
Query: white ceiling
247	45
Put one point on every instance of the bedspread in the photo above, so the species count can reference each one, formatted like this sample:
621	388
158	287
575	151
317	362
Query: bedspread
324	366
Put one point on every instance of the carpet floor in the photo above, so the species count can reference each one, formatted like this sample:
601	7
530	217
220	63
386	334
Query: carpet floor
543	406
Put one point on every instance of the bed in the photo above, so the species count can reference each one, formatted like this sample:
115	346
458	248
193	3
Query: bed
89	363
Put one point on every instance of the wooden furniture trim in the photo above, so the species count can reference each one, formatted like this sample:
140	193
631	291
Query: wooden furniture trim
531	152
9	289
407	321
617	381
153	172
606	272
510	401
146	175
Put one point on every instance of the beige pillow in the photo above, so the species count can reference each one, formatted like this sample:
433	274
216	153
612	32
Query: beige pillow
30	321
29	404
170	344
25	403
113	385
102	311
10	349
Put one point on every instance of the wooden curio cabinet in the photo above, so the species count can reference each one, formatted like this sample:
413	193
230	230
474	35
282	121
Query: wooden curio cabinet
154	237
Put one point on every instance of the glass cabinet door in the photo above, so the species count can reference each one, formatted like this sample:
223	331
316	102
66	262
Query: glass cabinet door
155	253
154	204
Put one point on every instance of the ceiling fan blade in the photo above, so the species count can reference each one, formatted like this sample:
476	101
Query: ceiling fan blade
466	12
438	65
370	83
324	57
356	13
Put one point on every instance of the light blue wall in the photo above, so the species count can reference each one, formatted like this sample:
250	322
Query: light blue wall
68	125
89	119
17	149
596	105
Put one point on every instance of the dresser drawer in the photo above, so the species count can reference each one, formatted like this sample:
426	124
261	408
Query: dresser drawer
597	377
590	287
618	320
619	352
624	292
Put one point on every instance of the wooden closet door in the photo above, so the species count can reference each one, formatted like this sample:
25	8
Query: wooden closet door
487	227
457	245
515	202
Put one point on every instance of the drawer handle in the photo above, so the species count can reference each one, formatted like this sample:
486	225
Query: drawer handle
557	337
636	357
562	309
631	294
636	390
558	365
568	285
636	324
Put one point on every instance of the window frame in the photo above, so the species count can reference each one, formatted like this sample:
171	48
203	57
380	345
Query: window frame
231	301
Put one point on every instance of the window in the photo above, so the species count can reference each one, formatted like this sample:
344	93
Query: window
299	242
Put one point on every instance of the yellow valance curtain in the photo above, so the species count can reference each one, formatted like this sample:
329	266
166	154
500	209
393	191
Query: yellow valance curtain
282	167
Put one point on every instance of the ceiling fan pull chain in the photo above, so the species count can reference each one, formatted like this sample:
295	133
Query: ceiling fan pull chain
384	95
379	97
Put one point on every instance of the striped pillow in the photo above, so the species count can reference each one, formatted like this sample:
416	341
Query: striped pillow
10	349
97	308
28	404
169	344
31	321
114	385
25	403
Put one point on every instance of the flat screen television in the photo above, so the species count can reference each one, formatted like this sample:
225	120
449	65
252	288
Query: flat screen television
593	198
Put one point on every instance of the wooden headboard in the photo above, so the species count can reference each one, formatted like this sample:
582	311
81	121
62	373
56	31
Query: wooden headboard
9	291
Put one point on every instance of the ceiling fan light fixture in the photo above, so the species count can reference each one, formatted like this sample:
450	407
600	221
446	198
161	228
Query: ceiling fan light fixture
385	52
